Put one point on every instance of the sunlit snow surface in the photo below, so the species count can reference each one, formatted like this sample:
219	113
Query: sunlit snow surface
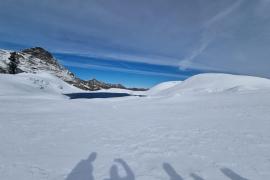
211	126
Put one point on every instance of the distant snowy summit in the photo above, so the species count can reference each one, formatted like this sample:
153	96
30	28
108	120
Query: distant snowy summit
36	60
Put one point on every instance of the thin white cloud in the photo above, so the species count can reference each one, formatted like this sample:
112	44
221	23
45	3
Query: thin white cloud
230	35
187	62
120	56
118	69
223	14
208	35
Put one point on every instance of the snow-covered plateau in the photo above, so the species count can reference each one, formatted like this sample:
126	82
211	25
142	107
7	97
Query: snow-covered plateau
210	126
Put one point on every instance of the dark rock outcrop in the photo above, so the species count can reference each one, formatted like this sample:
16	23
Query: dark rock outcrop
40	53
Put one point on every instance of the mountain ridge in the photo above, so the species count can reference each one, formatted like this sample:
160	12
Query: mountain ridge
37	59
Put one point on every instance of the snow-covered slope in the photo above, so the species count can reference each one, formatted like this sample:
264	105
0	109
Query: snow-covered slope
208	132
158	89
211	83
28	84
223	82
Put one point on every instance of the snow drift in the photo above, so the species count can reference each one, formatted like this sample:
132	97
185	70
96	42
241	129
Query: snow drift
162	87
211	83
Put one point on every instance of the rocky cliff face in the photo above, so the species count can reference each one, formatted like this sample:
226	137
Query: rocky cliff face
40	53
37	59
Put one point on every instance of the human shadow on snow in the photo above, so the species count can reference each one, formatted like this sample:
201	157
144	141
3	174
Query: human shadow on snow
195	176
114	174
171	172
173	175
231	174
84	171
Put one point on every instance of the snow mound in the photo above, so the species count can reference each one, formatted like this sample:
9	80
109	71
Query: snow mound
33	84
213	83
162	87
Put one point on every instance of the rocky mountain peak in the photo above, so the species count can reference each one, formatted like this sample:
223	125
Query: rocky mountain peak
37	59
40	53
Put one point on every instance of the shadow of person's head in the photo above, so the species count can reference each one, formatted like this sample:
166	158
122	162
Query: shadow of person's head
92	157
84	169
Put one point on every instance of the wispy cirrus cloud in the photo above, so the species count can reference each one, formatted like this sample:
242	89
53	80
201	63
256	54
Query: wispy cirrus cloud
210	31
122	69
231	36
129	56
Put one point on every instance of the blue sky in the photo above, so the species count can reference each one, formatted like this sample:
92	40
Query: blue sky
141	43
131	74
